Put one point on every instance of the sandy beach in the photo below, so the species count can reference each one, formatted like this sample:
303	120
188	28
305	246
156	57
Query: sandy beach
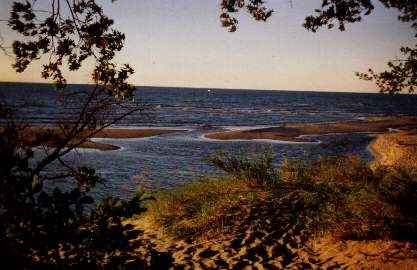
292	132
395	149
266	239
260	241
257	239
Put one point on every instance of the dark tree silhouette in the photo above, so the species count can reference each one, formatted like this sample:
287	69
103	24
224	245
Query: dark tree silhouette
401	74
43	229
256	8
52	228
71	31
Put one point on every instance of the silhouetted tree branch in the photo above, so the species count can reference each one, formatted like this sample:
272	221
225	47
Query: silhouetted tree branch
400	76
50	229
256	8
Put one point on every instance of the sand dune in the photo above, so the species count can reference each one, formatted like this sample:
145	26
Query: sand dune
275	240
265	237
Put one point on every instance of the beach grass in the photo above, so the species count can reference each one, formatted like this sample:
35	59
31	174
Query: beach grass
330	212
209	205
338	196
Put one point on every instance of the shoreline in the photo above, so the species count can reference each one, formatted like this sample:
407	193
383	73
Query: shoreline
296	132
248	237
395	149
287	133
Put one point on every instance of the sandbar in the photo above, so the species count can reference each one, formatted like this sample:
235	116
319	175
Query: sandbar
293	131
30	133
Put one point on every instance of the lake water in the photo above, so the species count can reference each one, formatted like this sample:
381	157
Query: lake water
171	159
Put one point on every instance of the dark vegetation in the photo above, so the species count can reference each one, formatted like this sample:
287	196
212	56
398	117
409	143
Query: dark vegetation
58	229
68	229
337	196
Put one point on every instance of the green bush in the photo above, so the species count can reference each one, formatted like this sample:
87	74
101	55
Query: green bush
193	209
341	195
338	196
398	186
345	197
256	171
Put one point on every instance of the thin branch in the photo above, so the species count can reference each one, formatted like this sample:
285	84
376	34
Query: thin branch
68	137
79	128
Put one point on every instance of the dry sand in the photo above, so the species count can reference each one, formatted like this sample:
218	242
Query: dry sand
395	149
292	132
263	241
272	240
370	254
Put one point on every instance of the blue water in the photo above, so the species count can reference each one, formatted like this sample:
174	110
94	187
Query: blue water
171	159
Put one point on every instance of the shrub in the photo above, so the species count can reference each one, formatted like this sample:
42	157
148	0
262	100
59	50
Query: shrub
345	197
255	171
196	208
398	186
340	196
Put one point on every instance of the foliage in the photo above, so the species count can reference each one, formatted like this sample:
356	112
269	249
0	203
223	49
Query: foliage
66	229
340	196
44	228
401	74
347	198
213	206
67	35
201	208
84	31
256	8
256	171
71	32
61	229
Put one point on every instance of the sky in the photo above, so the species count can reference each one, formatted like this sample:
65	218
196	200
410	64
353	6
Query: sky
181	43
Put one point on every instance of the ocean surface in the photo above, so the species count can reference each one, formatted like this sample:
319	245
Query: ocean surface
175	158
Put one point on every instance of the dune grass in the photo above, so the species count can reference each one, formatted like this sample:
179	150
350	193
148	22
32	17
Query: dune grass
344	197
340	196
202	206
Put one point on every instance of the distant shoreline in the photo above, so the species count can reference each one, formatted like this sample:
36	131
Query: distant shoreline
214	89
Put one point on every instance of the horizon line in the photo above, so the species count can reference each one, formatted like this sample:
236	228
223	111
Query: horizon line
219	88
